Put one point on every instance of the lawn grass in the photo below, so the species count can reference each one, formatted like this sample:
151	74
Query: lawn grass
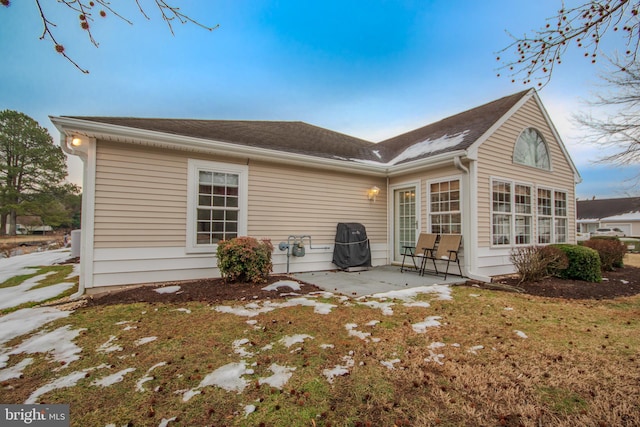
498	359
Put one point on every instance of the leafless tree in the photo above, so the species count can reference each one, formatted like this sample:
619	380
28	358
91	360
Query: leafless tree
618	126
90	10
535	57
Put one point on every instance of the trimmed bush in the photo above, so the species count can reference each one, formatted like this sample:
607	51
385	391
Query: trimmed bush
535	263
245	259
584	263
611	252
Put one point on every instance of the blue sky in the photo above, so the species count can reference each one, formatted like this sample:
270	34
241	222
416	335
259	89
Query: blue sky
371	69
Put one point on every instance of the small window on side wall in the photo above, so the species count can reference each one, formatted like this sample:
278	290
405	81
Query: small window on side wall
216	204
531	150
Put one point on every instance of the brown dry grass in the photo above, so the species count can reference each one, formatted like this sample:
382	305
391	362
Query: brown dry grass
578	365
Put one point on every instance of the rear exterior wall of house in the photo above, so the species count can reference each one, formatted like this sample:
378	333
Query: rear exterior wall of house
551	198
141	221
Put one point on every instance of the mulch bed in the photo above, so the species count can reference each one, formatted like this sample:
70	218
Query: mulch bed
620	283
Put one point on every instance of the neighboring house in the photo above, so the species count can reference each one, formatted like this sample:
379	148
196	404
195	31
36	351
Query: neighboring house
160	193
622	213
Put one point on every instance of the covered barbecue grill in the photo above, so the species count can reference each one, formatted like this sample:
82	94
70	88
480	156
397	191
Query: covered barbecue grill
352	249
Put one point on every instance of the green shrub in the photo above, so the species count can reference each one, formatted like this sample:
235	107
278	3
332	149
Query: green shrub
584	263
245	259
535	263
611	252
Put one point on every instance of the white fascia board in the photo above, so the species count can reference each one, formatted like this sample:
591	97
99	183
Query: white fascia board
429	162
72	126
130	135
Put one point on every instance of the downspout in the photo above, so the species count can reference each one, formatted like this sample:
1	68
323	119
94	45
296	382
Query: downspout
64	144
469	226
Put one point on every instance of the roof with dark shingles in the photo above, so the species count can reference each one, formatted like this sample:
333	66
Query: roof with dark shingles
293	137
470	125
303	138
603	208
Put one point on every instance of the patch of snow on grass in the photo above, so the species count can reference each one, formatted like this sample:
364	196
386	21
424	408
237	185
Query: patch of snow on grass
429	322
183	310
26	320
63	382
15	295
351	327
281	284
389	363
147	377
227	377
290	340
108	346
168	289
339	370
521	334
281	375
475	349
385	307
238	347
16	370
145	340
113	378
58	344
23	264
408	295
165	421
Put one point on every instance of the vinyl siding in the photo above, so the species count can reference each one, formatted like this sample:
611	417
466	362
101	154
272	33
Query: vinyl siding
495	160
141	216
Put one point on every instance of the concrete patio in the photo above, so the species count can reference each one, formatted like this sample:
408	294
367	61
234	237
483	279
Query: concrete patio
378	279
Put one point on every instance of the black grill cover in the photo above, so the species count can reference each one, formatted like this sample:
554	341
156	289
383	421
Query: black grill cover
351	246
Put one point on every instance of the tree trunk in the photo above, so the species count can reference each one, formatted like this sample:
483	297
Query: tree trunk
3	225
12	222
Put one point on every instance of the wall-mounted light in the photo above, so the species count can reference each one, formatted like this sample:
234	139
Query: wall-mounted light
76	141
373	193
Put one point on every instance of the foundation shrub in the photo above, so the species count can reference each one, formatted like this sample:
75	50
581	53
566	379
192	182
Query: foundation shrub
611	252
584	263
535	263
245	259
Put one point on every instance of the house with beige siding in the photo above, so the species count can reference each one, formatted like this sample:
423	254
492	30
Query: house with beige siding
158	194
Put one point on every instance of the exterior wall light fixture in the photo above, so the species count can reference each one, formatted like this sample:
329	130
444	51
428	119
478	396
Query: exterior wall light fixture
373	193
76	141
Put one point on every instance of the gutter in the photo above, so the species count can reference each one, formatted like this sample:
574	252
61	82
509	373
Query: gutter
470	227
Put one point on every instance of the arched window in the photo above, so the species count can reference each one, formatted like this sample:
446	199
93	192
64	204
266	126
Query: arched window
531	150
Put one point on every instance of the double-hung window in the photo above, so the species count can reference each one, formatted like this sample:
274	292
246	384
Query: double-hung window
511	213
445	214
216	204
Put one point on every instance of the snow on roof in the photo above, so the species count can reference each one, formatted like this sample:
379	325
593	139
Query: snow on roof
629	216
422	148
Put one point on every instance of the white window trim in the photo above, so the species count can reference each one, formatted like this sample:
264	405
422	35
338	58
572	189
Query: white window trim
428	199
544	140
513	214
194	168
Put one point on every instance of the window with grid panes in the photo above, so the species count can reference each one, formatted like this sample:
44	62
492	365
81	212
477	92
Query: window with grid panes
501	213
217	207
545	215
445	214
560	217
217	203
523	214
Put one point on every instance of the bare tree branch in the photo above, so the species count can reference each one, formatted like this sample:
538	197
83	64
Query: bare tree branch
536	56
618	128
87	9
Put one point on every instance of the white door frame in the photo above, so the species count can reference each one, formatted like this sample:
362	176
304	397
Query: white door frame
392	209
